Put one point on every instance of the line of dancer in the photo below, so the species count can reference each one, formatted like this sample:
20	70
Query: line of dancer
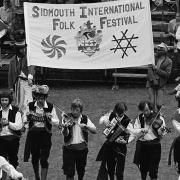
38	116
148	130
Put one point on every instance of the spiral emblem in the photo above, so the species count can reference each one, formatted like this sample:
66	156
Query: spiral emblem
53	46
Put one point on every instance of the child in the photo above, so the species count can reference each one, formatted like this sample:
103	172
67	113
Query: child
75	148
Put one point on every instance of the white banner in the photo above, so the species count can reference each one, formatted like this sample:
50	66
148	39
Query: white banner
89	36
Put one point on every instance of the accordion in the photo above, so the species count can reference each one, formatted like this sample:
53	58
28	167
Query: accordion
35	117
116	130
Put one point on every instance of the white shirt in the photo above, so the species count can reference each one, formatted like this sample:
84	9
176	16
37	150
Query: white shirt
149	135
17	125
77	136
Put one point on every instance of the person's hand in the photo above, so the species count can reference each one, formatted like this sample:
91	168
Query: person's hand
30	82
83	126
177	79
144	130
121	140
4	122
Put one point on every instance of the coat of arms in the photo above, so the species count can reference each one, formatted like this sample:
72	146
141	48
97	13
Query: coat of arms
88	39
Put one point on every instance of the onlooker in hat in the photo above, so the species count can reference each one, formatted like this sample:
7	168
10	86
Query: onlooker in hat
10	125
20	75
41	116
158	75
9	169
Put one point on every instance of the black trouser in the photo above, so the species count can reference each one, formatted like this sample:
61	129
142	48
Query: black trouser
115	165
9	149
40	145
149	159
74	159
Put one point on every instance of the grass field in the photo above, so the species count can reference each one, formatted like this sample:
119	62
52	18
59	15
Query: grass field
97	101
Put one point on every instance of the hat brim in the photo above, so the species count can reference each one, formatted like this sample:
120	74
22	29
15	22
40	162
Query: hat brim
20	44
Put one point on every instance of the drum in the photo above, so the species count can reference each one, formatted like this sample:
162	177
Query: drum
3	28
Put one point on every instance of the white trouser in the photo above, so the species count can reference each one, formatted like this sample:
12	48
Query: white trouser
24	95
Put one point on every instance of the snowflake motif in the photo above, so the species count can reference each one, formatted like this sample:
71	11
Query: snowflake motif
53	46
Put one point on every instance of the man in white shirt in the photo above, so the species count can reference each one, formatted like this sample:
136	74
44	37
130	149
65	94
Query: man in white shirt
41	115
75	147
148	147
10	126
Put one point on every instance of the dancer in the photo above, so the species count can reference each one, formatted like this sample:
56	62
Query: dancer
41	115
148	146
75	130
113	152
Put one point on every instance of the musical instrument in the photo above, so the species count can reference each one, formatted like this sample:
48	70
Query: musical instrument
156	122
116	130
68	120
36	117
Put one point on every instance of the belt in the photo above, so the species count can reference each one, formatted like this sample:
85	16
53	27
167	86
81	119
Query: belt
23	78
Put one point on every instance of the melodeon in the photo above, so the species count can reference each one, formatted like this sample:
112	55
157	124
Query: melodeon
116	130
36	117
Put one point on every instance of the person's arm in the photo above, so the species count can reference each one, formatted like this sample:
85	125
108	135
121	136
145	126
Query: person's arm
104	119
18	124
9	169
54	118
89	126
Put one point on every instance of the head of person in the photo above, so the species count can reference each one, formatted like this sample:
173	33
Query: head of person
119	109
146	108
76	108
20	43
161	50
40	93
6	98
6	3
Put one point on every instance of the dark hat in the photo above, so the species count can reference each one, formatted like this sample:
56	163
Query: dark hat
40	90
7	94
19	37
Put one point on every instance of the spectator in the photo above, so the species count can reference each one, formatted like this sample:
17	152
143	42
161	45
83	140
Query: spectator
20	76
158	75
7	12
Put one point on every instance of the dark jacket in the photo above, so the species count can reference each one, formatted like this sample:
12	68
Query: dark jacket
162	73
15	69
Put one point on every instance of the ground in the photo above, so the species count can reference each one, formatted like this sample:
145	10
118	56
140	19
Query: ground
97	101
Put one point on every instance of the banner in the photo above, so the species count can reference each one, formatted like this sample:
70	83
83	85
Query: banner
103	35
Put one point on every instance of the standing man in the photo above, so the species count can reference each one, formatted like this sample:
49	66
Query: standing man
158	75
148	146
42	115
10	125
20	75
